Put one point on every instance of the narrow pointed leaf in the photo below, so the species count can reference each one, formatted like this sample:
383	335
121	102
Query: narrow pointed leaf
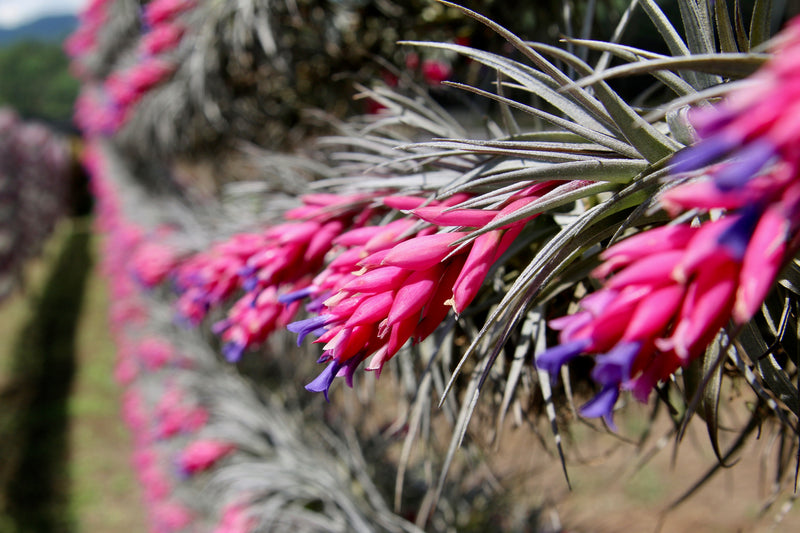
648	141
578	129
741	33
727	39
760	22
520	73
729	65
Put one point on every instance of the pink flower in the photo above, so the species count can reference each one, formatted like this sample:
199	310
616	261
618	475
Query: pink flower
125	371
280	259
392	286
669	290
435	71
235	519
209	278
171	516
152	262
251	320
161	38
155	484
669	295
159	11
155	353
201	455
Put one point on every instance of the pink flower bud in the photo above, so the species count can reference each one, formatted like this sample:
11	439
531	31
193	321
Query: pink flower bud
201	455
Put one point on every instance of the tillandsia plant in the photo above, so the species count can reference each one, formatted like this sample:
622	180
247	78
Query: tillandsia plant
35	170
599	174
654	240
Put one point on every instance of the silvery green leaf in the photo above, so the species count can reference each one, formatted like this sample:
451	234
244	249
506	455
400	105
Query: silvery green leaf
760	22
579	112
668	32
581	96
727	40
573	127
648	141
769	370
631	54
729	65
741	33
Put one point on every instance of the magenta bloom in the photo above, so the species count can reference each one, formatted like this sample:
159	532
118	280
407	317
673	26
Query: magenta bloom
161	38
755	125
152	262
672	289
390	287
251	320
171	516
201	455
159	11
264	266
669	290
155	353
236	519
435	71
209	278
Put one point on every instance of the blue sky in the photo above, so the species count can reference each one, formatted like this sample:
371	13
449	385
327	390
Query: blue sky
15	12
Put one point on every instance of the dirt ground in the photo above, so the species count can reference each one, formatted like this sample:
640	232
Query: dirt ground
619	487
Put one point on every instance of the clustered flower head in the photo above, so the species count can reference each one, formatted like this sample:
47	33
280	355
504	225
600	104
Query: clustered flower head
34	185
105	105
202	454
261	266
84	40
668	291
754	124
397	282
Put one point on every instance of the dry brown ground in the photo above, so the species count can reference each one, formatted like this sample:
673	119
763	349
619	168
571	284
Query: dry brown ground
615	489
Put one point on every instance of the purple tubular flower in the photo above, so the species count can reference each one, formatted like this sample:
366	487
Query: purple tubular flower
348	368
751	159
232	351
552	359
218	327
736	237
291	297
614	367
308	325
602	405
704	153
322	383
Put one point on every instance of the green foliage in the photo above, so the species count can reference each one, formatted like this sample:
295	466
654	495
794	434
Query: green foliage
35	80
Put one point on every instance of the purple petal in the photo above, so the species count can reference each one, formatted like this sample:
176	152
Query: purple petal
232	351
349	368
703	153
747	164
218	327
614	367
291	297
602	405
322	383
308	325
552	359
318	303
736	237
250	283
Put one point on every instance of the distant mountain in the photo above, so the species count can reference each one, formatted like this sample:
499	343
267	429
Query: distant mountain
50	29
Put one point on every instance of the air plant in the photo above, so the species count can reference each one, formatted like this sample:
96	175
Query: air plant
35	170
657	241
